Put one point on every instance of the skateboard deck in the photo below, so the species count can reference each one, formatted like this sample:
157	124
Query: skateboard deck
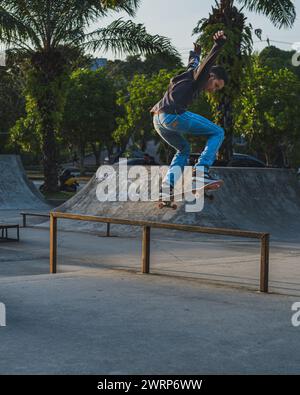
206	190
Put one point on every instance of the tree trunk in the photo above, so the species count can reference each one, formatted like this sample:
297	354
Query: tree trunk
97	152
110	151
81	158
45	87
267	158
227	123
144	144
121	152
50	164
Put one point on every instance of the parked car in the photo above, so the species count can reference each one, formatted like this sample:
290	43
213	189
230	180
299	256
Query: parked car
147	160
74	170
237	160
243	160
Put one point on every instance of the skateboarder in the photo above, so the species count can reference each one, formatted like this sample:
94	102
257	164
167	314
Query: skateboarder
172	121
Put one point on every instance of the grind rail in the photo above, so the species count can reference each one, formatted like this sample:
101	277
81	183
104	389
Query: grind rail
147	225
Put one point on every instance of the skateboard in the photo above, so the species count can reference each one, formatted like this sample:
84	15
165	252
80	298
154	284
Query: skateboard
206	190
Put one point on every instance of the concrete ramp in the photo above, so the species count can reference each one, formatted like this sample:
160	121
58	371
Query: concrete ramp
265	200
16	191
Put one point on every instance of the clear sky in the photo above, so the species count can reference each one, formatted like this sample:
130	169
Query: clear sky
176	19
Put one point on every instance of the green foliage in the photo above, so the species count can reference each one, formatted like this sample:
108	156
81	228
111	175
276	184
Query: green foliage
268	112
26	133
90	109
276	59
124	71
45	99
142	93
153	63
11	104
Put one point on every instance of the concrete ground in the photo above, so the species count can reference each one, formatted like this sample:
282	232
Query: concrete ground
225	261
199	312
113	322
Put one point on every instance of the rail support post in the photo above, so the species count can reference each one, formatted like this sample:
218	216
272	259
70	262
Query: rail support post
146	250
53	243
264	263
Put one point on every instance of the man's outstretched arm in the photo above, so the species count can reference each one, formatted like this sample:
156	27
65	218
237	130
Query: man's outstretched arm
204	68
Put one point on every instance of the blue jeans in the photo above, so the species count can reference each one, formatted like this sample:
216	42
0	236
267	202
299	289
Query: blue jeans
172	128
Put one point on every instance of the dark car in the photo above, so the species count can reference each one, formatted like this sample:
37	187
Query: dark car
237	160
243	160
74	170
139	161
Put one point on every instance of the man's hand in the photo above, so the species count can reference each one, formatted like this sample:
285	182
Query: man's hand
197	49
219	36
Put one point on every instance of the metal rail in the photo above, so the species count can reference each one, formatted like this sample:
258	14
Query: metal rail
147	225
26	214
4	232
43	215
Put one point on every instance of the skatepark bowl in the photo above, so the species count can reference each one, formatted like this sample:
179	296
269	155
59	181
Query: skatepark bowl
17	192
146	225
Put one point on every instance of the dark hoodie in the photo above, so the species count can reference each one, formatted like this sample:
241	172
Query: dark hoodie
186	86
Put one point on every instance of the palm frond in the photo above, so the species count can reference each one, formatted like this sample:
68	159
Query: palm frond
11	27
15	29
49	24
199	26
103	7
282	13
129	6
126	36
71	17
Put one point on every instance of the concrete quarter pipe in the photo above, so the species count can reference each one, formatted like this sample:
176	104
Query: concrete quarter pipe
266	200
16	191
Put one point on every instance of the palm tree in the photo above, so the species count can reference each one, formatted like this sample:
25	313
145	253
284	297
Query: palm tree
49	34
225	15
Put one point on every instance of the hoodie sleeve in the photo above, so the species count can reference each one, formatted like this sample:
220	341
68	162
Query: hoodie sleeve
194	61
